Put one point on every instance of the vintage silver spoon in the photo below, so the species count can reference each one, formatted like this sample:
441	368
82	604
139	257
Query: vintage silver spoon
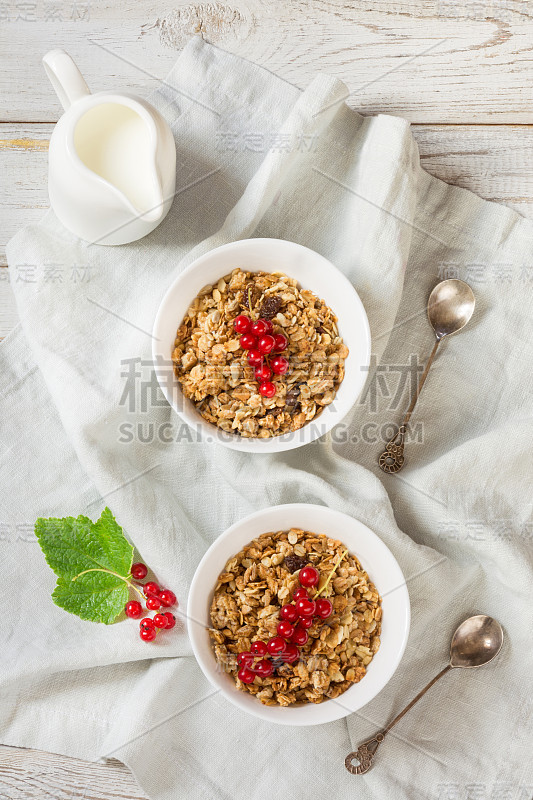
450	306
476	641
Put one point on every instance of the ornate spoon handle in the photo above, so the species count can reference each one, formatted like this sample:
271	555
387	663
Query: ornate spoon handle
364	754
366	751
392	458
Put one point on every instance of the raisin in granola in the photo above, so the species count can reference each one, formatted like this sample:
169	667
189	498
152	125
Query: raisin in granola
294	562
270	306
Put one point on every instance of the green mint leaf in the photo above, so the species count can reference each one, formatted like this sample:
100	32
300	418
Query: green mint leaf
75	545
95	596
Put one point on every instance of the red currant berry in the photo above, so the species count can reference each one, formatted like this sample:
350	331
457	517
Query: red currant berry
133	609
255	359
309	575
279	365
262	373
324	607
280	342
300	594
290	654
305	607
259	328
275	646
270	327
289	613
300	636
139	571
285	629
264	668
246	675
242	323
150	588
146	622
153	603
245	659
160	621
266	344
247	341
259	649
167	598
171	620
267	389
147	634
306	622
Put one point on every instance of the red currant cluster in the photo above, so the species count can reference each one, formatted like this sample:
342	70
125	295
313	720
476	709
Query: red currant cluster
156	598
295	618
261	342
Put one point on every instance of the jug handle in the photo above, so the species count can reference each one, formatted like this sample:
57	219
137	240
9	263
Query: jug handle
65	77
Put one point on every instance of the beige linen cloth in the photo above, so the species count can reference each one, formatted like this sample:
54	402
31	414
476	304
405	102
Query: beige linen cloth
81	428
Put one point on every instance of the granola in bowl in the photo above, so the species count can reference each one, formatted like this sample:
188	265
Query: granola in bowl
246	609
214	368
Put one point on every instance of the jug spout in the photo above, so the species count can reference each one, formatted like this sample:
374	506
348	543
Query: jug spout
65	77
154	215
156	209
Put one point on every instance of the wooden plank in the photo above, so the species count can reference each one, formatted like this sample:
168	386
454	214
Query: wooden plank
34	775
494	161
8	311
429	60
23	167
24	197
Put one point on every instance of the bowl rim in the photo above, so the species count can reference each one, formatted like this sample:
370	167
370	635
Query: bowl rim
329	710
312	430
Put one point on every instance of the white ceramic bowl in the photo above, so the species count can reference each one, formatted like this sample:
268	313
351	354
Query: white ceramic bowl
313	272
375	558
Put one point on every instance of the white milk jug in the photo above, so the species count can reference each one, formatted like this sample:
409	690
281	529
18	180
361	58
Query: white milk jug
112	160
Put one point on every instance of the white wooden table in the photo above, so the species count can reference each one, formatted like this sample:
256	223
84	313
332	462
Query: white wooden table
459	70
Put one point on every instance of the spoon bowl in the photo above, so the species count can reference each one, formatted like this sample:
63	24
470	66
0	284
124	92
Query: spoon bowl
476	641
450	307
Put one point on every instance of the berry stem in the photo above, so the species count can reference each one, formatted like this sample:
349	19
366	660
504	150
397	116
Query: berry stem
250	302
110	572
330	576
